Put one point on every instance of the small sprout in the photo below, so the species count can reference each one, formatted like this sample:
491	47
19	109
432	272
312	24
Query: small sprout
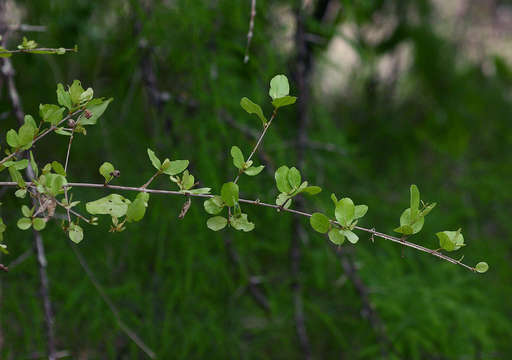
482	267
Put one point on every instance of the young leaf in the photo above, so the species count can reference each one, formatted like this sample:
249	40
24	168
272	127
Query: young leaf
113	204
294	178
406	222
345	211
254	170
106	170
137	208
241	223
39	223
281	177
75	90
24	223
253	108
229	193
63	97
58	168
238	157
33	164
12	138
217	223
176	167
336	236
51	113
319	222
360	211
26	211
450	240
279	87
482	267
75	233
94	110
311	190
284	101
214	205
154	160
353	238
415	201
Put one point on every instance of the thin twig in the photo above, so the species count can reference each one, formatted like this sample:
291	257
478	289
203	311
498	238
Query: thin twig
27	28
265	128
36	51
259	203
250	33
129	332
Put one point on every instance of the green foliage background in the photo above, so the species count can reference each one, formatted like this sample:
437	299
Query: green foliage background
444	125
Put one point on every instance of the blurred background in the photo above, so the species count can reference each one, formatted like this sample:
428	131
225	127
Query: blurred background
392	92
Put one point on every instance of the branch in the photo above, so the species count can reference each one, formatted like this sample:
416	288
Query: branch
130	333
395	239
251	31
38	51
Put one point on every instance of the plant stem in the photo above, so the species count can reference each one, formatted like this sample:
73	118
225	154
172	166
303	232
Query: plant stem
265	128
259	203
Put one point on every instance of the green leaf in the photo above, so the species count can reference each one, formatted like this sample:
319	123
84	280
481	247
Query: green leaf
312	190
75	233
404	229
137	208
241	223
294	177
26	211
482	267
200	191
39	223
360	211
284	101
279	87
176	167
58	168
63	97
16	177
238	157
51	113
95	108
427	209
253	108
415	201
281	177
33	164
113	204
254	170
75	90
63	132
336	236
284	199
415	224
450	240
319	222
229	193
17	165
217	223
86	95
26	134
353	238
345	211
12	138
21	193
154	160
187	180
214	205
24	223
106	170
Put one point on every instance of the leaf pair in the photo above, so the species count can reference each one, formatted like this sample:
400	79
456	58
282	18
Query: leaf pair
412	219
167	167
242	165
289	183
279	90
28	220
24	137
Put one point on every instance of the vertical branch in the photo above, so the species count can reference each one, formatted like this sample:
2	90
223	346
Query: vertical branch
8	74
250	33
